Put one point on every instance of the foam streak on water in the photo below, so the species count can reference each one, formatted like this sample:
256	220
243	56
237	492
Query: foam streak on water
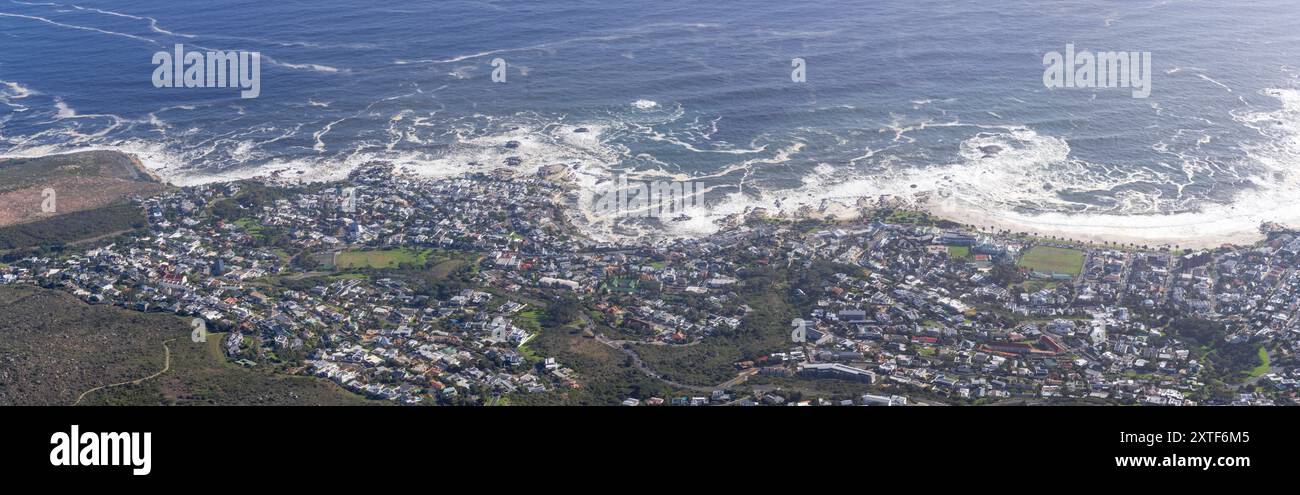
935	105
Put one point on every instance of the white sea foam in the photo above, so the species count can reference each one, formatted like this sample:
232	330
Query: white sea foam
64	111
1009	176
1004	175
461	72
153	23
80	28
535	146
11	91
311	67
1272	199
549	47
1215	82
14	90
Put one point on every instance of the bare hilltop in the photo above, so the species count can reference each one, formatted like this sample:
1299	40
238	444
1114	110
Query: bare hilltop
80	181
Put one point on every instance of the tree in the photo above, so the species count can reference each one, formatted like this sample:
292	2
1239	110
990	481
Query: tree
1005	274
561	311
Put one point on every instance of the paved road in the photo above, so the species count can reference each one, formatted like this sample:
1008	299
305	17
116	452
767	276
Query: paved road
657	342
636	361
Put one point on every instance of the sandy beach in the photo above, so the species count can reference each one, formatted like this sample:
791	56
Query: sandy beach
1194	231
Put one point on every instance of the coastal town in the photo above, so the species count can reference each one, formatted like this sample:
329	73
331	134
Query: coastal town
441	291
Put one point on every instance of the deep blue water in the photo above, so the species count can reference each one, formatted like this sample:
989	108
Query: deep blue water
899	93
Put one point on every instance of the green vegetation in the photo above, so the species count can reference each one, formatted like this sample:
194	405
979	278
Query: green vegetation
19	173
444	269
1263	367
605	375
1224	361
436	273
201	375
958	252
908	218
252	197
381	258
90	200
712	361
912	217
73	227
794	389
250	226
1047	259
57	348
1037	285
528	320
621	285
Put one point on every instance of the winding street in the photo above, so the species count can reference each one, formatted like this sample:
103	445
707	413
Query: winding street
618	345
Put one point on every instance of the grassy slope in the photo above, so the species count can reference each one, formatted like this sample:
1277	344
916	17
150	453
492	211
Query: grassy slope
713	361
55	347
91	197
73	227
20	173
200	375
605	375
1263	367
80	181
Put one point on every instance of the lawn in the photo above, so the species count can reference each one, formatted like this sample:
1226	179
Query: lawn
1259	371
906	217
1053	260
250	226
529	320
445	269
958	251
380	258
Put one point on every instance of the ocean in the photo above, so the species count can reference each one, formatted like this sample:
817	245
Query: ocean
940	104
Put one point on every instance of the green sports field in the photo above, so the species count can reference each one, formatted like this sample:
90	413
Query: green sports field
380	258
1053	260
